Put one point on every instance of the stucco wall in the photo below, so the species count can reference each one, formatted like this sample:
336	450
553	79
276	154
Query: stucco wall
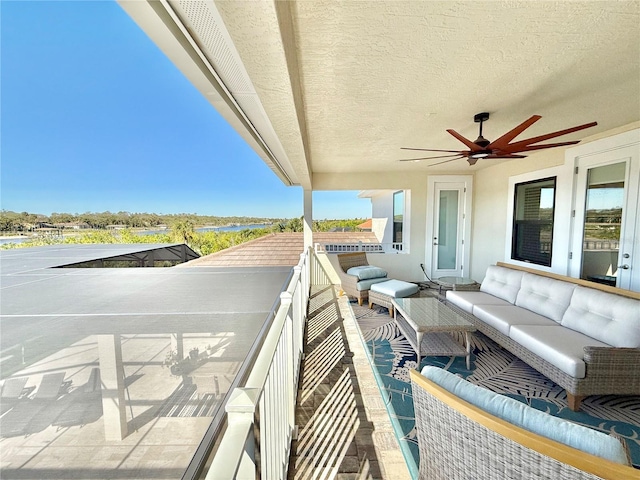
405	265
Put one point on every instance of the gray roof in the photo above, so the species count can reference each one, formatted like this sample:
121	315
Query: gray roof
57	321
37	299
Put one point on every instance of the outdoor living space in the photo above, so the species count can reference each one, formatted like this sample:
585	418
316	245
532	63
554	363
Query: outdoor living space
374	433
386	98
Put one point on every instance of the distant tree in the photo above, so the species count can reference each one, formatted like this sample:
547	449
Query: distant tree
183	232
294	225
9	221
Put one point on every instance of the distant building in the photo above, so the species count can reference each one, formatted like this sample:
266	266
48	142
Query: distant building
72	225
365	226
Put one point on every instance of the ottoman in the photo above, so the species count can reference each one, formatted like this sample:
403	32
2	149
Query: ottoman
382	293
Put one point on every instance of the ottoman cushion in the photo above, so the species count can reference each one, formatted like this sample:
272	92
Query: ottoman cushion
395	288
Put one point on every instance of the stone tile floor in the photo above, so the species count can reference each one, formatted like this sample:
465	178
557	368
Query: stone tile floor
344	430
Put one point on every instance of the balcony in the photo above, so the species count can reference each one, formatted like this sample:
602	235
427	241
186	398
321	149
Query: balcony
347	421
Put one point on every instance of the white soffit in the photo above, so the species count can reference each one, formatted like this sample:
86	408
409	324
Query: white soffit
210	61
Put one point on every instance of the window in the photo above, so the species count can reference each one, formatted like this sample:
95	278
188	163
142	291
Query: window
398	218
533	215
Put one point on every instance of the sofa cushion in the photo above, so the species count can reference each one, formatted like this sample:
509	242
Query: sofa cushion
607	317
395	288
502	282
466	300
562	347
502	317
545	296
517	413
366	272
366	284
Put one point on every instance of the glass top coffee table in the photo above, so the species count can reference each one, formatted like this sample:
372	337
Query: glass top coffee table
426	323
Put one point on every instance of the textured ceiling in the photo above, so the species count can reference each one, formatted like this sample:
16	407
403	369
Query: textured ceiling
377	76
380	75
345	84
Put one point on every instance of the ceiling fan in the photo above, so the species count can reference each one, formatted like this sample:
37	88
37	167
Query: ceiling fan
500	148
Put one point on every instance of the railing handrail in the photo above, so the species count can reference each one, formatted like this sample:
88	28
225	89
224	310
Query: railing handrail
345	247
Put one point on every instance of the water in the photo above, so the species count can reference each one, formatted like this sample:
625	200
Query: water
232	228
13	240
229	228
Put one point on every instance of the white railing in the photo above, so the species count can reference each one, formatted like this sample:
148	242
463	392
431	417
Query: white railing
268	399
601	245
395	247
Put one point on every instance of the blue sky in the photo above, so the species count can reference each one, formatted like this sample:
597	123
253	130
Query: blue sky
96	118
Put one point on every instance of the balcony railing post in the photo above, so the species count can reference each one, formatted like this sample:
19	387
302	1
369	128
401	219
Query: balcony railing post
236	458
286	300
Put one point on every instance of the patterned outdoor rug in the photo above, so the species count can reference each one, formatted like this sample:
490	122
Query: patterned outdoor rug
493	368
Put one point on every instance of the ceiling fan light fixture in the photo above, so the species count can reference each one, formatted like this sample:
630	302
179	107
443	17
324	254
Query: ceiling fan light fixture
480	154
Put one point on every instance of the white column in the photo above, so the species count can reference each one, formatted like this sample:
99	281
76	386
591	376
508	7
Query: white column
308	219
112	378
177	345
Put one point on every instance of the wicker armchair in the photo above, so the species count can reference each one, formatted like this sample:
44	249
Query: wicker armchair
460	440
349	282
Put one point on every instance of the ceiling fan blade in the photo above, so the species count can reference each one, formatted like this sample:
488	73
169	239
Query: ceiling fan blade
513	133
528	148
430	158
431	150
516	147
506	155
472	146
446	161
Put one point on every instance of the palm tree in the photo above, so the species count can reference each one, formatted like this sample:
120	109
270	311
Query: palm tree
183	232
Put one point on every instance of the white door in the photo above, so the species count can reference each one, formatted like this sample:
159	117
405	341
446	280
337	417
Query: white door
449	226
605	243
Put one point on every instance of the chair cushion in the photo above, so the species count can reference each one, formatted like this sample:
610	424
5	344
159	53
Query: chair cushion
366	272
502	317
366	284
562	347
607	317
545	296
502	282
466	300
519	414
395	288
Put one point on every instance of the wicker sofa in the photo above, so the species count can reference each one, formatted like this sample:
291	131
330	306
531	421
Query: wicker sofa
351	284
466	431
584	337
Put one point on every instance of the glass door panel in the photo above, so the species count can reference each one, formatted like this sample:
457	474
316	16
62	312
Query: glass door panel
447	237
603	215
605	244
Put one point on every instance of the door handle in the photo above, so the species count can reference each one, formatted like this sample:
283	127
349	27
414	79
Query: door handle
624	267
